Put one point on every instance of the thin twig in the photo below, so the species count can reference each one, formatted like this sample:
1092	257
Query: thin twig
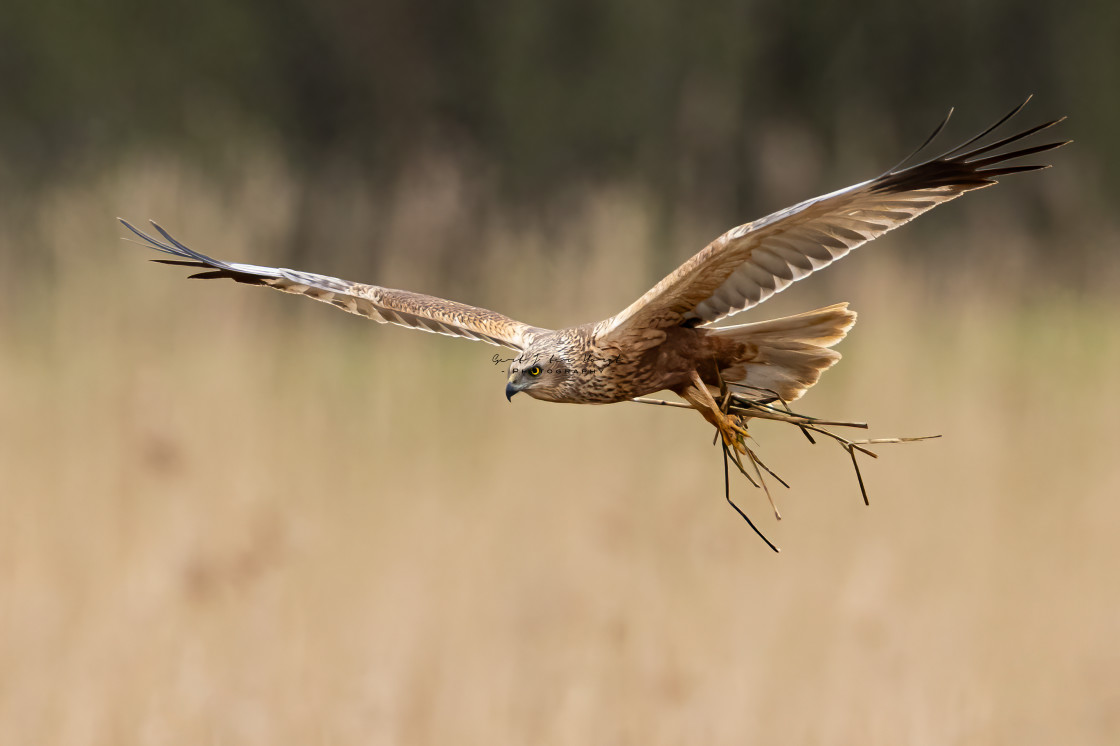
741	406
765	488
727	495
769	470
888	441
734	453
859	476
662	402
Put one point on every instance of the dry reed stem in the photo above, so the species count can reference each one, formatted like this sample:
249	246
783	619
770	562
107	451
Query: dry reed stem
732	403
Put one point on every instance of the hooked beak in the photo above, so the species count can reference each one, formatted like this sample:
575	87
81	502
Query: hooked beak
514	387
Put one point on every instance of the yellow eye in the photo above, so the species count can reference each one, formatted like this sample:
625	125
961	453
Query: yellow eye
535	371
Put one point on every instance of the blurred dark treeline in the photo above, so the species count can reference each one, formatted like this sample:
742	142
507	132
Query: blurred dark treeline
687	99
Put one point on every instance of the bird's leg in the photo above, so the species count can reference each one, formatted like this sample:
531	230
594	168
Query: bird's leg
730	427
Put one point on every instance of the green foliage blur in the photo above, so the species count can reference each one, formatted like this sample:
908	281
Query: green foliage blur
545	97
233	516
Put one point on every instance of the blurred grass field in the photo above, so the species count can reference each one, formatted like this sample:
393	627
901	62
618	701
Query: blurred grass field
232	517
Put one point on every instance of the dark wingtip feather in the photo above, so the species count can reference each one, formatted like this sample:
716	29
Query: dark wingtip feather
178	262
991	129
993	172
932	136
973	154
188	257
149	242
965	169
979	163
174	247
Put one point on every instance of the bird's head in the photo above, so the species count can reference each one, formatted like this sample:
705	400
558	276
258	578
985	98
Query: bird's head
540	374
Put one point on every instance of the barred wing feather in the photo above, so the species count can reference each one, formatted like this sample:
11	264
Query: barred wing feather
385	305
752	262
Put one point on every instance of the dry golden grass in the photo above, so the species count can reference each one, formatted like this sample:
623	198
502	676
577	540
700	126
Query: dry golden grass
227	520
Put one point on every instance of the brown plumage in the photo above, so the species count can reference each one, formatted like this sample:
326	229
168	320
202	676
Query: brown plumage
665	340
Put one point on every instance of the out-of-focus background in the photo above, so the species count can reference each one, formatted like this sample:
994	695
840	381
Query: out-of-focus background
229	516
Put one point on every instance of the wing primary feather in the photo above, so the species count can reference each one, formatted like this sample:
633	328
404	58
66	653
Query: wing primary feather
175	248
993	172
962	173
971	155
171	239
929	140
751	262
178	262
979	163
186	251
149	242
988	131
386	305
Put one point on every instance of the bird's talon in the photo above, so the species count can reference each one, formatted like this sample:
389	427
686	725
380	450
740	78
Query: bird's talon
733	434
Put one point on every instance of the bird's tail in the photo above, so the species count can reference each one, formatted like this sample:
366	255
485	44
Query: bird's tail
788	355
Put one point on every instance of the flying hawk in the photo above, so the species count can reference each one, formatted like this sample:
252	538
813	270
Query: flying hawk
666	340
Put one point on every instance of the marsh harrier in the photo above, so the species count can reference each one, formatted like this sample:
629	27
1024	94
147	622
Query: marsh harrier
666	340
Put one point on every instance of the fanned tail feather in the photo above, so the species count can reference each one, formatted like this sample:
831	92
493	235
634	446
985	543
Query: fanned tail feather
788	355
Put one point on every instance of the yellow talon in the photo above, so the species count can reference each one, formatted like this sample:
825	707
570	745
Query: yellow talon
733	433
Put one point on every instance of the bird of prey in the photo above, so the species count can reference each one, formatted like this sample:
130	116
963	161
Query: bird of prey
666	340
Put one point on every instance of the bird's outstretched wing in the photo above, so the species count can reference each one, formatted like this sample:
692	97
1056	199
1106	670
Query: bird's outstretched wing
384	305
750	263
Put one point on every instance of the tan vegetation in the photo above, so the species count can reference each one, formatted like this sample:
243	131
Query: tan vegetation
231	518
